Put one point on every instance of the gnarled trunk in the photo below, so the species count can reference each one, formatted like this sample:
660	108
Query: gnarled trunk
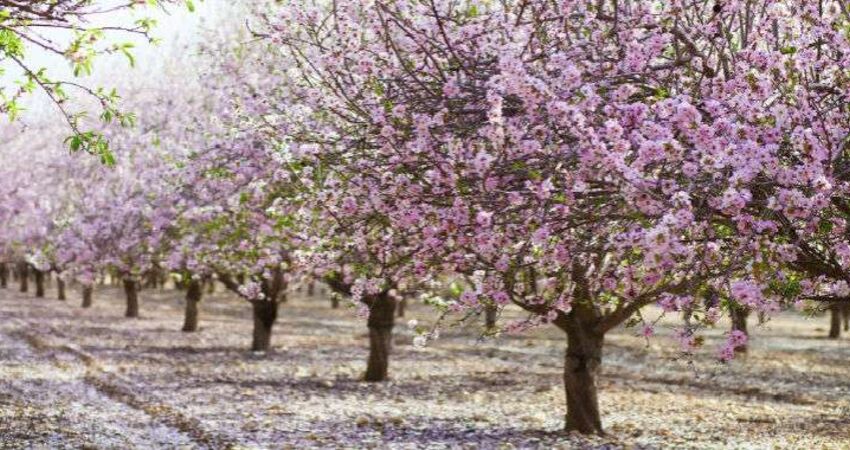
60	288
739	322
265	314
193	297
24	276
835	321
581	367
87	296
39	283
381	322
131	291
4	275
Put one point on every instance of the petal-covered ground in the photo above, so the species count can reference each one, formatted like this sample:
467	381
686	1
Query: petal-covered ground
75	378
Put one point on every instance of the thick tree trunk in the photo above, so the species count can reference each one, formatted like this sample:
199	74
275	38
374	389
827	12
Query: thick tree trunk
60	288
193	297
24	276
39	283
4	275
265	314
131	291
87	296
739	322
581	366
490	313
835	321
381	322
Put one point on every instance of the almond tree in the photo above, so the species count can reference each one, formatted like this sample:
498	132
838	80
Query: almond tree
581	159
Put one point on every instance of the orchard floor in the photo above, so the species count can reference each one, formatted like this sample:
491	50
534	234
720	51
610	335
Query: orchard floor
75	378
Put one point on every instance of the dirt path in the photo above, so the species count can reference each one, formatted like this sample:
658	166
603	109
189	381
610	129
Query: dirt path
91	377
51	398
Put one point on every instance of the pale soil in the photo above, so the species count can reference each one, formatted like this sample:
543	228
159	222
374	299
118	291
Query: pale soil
74	378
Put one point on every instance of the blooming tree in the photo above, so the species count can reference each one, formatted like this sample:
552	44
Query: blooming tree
580	159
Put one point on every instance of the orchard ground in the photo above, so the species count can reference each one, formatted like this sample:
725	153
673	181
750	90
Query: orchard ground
75	378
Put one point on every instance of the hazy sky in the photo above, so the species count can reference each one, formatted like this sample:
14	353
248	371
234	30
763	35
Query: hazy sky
180	31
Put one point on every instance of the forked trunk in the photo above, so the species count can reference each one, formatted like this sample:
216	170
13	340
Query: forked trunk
265	314
24	276
87	296
739	322
381	322
131	291
581	367
60	288
835	321
39	283
193	297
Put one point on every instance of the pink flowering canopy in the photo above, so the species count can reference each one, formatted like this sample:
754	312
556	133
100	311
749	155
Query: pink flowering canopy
619	155
582	159
578	159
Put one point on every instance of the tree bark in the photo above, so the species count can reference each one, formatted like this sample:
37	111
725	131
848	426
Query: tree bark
39	283
60	288
24	276
131	291
739	322
381	321
334	301
311	288
835	321
581	366
193	297
87	296
265	314
490	313
402	305
150	280
4	275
